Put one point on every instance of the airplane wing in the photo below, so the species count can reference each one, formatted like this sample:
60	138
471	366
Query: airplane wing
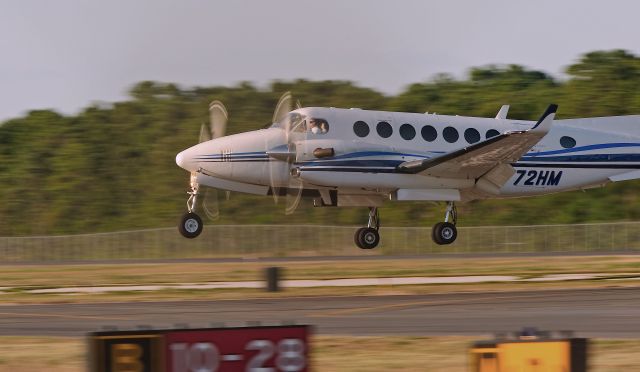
479	159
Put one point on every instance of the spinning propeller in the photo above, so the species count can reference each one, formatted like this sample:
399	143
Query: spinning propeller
286	153
282	151
218	117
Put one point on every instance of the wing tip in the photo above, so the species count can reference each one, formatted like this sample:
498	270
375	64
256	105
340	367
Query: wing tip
551	109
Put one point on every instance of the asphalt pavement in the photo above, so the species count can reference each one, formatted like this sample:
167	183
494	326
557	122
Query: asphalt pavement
607	312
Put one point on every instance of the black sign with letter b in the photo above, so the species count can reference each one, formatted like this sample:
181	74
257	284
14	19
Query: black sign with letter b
124	353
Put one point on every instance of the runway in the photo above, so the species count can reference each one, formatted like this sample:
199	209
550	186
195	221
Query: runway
609	312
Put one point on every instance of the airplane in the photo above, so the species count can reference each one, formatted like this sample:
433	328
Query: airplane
361	158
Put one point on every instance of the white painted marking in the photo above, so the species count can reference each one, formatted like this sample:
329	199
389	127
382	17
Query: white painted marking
332	283
232	357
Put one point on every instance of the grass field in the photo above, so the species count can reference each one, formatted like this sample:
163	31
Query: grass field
330	354
20	278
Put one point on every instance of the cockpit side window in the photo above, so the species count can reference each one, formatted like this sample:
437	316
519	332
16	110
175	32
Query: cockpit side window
318	126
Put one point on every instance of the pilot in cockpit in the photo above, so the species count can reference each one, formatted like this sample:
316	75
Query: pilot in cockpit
313	126
318	126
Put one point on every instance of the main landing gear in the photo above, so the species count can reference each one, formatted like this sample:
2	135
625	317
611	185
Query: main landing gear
191	224
446	232
368	237
442	233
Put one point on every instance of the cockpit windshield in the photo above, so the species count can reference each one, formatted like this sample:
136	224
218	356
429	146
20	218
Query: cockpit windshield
296	122
293	121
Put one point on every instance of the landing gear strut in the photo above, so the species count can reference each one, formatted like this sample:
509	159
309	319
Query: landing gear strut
446	232
368	237
191	224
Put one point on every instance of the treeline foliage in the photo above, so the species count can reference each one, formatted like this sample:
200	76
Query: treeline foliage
112	167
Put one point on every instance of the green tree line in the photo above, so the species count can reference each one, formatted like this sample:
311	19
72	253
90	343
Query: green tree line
112	166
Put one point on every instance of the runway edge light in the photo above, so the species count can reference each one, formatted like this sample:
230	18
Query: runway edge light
529	349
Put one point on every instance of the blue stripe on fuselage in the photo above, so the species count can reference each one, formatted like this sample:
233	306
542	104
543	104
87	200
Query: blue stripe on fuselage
585	158
585	148
347	163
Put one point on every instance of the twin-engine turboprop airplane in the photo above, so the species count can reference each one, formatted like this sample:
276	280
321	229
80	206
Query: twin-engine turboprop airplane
360	158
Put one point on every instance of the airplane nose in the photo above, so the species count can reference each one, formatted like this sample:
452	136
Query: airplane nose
181	160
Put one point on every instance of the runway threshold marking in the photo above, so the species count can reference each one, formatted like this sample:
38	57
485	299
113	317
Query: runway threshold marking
365	309
51	315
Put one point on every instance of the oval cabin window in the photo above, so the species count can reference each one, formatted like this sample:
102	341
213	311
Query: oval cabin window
567	142
384	129
407	131
361	129
471	135
491	133
429	133
450	134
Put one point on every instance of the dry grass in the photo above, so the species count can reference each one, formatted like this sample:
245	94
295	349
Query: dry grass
331	353
131	273
36	354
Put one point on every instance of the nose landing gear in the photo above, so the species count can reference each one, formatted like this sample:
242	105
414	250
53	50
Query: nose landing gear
191	224
446	232
368	237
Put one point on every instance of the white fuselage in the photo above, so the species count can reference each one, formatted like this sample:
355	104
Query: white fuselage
576	153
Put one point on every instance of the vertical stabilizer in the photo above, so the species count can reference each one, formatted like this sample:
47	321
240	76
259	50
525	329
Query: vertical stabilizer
502	114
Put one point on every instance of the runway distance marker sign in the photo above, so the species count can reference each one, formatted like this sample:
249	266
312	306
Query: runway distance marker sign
250	349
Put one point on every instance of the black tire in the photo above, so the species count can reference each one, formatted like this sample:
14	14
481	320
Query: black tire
356	237
444	233
434	231
368	238
190	225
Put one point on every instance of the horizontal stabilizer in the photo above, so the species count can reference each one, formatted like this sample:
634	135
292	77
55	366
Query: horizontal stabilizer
633	175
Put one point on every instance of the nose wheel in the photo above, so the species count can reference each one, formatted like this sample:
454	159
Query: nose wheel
445	232
368	237
191	224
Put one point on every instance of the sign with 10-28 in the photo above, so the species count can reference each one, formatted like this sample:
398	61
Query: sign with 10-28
265	349
247	349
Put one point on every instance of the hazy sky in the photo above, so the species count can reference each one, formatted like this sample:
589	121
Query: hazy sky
65	54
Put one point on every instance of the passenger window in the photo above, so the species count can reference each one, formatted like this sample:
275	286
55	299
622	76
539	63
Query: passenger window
567	142
491	133
361	129
450	134
471	135
429	133
318	126
384	129
407	131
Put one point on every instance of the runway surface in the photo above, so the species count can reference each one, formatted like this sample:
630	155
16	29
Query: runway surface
610	312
